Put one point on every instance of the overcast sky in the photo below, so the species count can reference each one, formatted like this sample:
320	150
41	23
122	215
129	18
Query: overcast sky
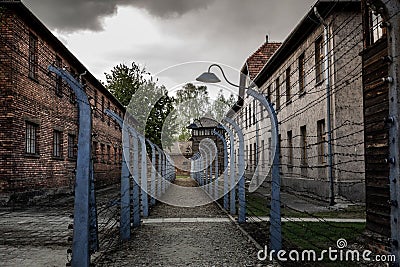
162	33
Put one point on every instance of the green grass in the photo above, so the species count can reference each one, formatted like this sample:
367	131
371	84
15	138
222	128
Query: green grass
182	177
259	206
318	236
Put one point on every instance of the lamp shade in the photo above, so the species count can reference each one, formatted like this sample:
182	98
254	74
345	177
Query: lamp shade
208	77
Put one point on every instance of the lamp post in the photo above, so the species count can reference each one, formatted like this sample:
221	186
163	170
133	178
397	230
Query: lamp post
275	215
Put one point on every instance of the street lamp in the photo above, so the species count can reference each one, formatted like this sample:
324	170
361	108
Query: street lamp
275	215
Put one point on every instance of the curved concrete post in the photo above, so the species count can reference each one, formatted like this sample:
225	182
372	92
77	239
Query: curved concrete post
275	215
221	137
232	170
241	184
82	214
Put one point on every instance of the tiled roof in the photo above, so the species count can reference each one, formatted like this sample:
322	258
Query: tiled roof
258	59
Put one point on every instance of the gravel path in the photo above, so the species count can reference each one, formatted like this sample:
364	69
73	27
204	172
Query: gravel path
185	244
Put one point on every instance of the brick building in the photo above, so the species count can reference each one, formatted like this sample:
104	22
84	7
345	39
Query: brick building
293	80
39	113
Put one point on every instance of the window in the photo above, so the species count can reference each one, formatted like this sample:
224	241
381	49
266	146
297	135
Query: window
249	110
277	91
247	155
102	152
301	74
33	56
255	154
250	156
108	154
59	89
376	32
254	112
96	100
31	138
94	151
108	117
303	146
319	59
245	117
321	139
262	153
261	111
270	150
71	146
269	94
290	148
72	98
288	86
280	150
115	155
102	108
57	144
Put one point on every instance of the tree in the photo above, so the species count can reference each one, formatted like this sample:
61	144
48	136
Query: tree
124	81
144	100
192	102
222	105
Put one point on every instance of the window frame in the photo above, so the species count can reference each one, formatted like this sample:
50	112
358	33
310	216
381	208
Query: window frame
319	60
72	147
321	140
57	144
301	69
31	138
33	56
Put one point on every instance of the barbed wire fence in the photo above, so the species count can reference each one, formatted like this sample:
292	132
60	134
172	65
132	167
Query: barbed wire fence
106	158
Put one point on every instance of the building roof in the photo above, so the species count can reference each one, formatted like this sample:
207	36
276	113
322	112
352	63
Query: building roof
256	62
35	23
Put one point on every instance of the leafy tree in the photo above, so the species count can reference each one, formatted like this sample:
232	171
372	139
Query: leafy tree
192	102
222	105
147	102
124	81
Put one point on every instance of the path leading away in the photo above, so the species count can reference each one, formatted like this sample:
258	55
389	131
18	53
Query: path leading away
176	236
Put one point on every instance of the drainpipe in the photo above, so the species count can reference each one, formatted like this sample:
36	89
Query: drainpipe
328	106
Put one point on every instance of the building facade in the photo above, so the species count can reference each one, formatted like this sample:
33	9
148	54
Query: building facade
39	112
294	81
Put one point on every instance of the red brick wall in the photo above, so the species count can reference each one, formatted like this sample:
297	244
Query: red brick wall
26	99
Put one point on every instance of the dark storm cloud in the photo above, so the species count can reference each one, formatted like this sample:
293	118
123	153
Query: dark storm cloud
88	14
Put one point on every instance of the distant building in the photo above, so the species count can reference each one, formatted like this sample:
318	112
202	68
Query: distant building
202	129
180	153
293	79
39	113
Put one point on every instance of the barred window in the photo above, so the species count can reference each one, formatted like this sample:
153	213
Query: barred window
57	144
290	148
288	86
31	138
303	146
375	29
319	59
321	136
33	56
301	74
71	146
59	89
278	94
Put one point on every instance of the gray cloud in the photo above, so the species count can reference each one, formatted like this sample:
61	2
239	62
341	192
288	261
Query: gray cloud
87	15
